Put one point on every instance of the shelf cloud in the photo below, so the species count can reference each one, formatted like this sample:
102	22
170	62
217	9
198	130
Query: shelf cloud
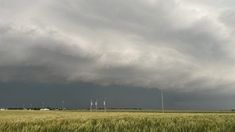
170	44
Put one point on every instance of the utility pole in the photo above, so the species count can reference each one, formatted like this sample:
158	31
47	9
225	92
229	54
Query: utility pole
162	99
91	105
104	106
96	105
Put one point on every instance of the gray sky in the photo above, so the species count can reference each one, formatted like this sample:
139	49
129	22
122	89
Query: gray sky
181	46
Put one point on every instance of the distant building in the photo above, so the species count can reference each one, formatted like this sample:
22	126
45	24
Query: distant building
45	109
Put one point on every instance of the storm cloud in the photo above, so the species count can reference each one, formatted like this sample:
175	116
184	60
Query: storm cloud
171	44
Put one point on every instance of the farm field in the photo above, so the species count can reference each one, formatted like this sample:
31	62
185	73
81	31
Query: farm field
70	121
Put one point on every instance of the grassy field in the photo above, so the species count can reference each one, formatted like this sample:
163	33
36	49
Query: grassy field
66	121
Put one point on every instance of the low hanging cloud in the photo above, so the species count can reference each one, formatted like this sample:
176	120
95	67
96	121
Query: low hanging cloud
170	44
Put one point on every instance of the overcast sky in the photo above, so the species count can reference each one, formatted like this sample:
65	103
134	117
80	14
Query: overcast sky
181	46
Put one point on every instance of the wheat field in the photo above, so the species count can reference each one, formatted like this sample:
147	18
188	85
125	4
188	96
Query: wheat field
77	121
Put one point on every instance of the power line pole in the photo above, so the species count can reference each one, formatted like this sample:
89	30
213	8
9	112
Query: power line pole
96	105
104	103
91	105
162	99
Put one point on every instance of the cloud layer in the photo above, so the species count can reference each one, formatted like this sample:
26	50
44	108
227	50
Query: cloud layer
170	44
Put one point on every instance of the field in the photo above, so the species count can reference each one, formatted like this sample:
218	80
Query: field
70	121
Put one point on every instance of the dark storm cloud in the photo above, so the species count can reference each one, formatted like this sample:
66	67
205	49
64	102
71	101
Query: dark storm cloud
171	44
30	56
